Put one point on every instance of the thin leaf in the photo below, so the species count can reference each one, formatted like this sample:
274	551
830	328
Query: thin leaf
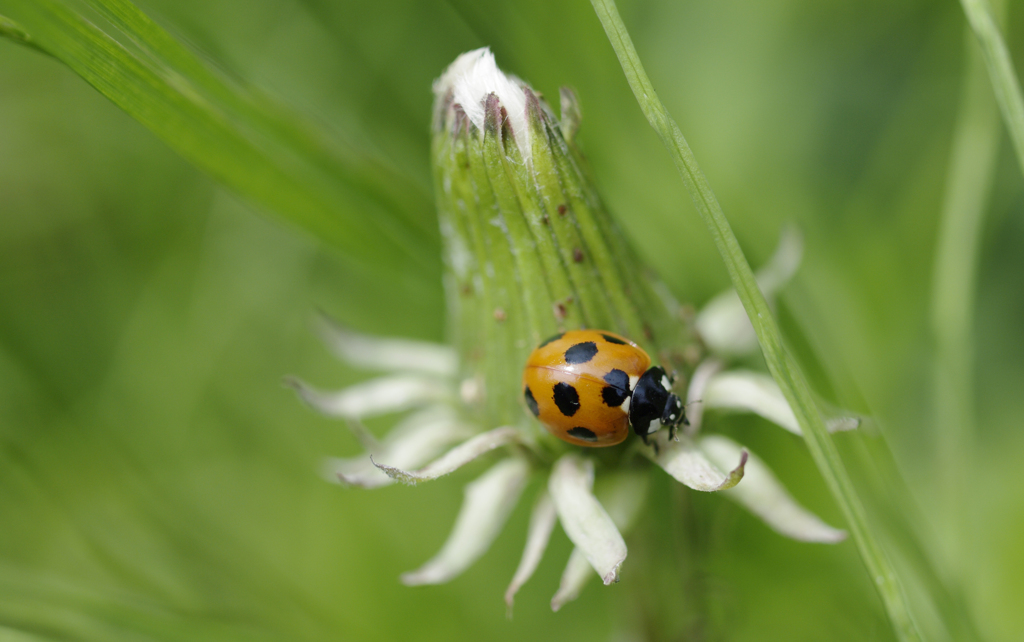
10	29
239	137
969	178
784	369
1000	70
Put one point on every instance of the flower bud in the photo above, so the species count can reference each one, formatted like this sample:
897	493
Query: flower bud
529	248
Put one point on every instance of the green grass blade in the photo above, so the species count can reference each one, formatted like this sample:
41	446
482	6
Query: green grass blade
783	367
11	30
953	301
355	169
1000	70
239	137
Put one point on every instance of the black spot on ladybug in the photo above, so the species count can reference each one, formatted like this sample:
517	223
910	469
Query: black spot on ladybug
550	339
585	434
531	402
567	399
610	339
617	389
619	379
613	397
581	352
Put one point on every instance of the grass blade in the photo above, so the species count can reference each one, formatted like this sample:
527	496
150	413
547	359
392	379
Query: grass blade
970	176
240	137
1000	70
783	367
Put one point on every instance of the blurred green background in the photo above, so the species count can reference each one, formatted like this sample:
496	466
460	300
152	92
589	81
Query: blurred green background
157	481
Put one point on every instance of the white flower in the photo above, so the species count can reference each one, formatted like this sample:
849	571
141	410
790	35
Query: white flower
432	440
530	248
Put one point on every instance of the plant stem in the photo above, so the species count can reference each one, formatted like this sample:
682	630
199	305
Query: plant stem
971	166
13	31
783	367
1000	70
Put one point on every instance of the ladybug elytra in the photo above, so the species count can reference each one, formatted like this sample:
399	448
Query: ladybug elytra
589	386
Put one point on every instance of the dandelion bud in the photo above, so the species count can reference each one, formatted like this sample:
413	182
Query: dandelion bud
529	248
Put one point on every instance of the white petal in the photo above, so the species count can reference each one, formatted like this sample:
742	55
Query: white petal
758	393
471	78
393	393
695	393
379	353
413	442
575	575
784	262
753	392
623	495
724	326
842	424
762	494
455	458
584	519
542	522
487	504
723	323
687	464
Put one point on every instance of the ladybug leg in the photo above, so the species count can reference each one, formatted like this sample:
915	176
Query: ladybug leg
647	442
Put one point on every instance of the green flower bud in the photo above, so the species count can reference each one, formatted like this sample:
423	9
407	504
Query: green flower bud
530	249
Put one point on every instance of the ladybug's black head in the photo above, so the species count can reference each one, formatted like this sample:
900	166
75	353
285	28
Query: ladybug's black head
674	413
652	405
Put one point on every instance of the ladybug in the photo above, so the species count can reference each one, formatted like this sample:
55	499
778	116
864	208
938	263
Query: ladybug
589	386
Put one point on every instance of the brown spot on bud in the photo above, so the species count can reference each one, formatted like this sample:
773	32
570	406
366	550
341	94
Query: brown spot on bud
499	315
561	308
648	332
506	127
562	209
466	289
545	220
577	255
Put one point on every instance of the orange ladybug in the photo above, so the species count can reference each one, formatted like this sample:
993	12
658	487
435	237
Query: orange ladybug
589	386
